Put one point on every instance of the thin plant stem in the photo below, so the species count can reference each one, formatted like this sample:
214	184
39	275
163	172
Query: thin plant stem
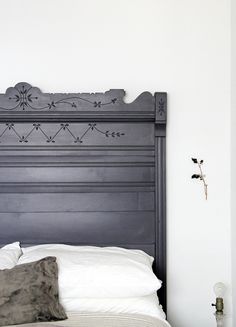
203	179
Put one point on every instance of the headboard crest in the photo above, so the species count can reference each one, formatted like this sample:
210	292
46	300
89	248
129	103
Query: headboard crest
25	97
25	102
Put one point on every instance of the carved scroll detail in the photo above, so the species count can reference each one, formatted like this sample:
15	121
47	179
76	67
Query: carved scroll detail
25	97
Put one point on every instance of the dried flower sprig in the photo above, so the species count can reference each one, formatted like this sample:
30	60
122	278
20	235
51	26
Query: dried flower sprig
200	176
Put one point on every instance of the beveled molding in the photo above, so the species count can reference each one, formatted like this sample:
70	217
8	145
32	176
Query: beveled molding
24	102
76	187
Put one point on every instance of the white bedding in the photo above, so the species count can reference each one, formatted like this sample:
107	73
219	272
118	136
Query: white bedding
98	272
123	311
103	320
143	305
9	255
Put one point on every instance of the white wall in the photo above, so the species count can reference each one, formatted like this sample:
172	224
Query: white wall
182	47
233	151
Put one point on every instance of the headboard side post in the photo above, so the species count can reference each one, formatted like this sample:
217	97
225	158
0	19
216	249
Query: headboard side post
160	190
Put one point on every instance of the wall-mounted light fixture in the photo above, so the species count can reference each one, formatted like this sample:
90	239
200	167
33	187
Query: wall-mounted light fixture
219	290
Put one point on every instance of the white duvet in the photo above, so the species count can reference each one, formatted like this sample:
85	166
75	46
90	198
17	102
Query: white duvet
103	320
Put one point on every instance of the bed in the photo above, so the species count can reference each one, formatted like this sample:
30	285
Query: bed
84	169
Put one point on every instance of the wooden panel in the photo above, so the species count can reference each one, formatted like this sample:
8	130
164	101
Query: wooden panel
77	161
73	202
88	187
75	175
73	150
85	227
76	134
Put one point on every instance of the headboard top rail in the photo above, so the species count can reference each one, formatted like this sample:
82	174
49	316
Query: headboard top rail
24	102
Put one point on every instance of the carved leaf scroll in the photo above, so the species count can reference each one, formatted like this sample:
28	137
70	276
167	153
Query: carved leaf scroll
25	97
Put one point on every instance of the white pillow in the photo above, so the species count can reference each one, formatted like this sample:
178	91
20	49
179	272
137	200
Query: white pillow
145	305
95	272
9	255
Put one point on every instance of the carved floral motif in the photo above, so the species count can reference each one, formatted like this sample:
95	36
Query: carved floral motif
39	127
24	98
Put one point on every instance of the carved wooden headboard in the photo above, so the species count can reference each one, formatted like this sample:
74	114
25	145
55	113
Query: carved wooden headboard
84	168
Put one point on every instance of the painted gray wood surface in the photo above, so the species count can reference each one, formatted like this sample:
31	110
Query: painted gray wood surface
84	168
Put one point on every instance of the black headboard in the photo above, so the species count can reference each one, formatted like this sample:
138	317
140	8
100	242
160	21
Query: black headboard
84	168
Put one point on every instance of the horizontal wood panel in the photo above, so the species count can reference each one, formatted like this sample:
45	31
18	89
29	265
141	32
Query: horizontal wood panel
86	227
77	161
78	134
80	174
85	187
57	150
74	202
